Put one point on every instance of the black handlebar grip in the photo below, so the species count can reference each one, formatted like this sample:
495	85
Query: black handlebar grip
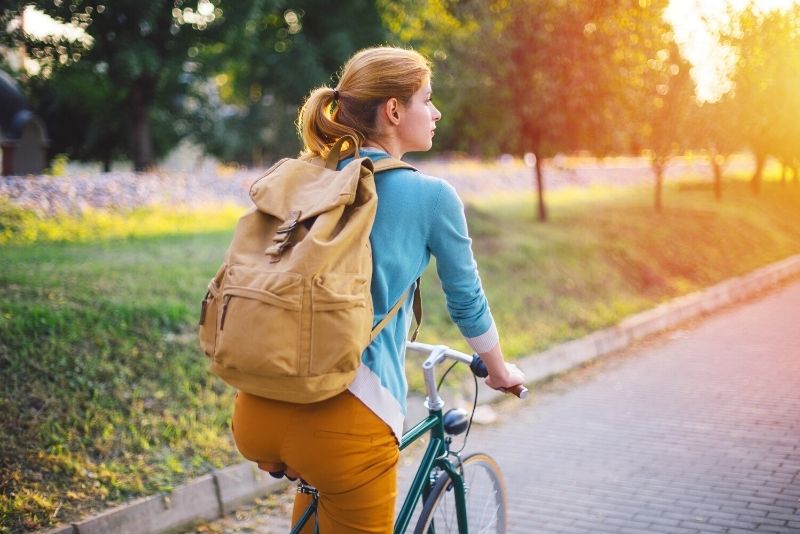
479	369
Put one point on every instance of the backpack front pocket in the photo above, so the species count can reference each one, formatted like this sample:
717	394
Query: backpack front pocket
259	323
209	314
340	322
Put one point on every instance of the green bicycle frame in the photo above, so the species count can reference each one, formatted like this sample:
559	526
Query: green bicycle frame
435	456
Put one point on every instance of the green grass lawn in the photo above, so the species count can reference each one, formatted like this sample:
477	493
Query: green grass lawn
105	395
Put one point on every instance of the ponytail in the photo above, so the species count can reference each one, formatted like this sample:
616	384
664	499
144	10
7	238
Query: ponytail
317	124
368	79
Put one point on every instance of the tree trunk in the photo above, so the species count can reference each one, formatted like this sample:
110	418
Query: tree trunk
542	209
717	163
717	168
755	182
257	156
658	171
141	100
784	173
794	174
106	161
8	160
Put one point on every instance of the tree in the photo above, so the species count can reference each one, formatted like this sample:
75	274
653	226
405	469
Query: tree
650	92
786	84
766	78
136	50
714	128
569	67
229	76
261	71
523	76
662	108
558	76
459	37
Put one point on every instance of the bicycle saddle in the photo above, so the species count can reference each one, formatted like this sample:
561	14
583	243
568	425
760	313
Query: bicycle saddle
279	470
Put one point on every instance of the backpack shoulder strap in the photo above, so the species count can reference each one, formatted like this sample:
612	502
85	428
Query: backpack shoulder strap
417	307
388	164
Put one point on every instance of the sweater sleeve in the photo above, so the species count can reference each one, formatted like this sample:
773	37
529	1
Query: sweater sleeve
449	242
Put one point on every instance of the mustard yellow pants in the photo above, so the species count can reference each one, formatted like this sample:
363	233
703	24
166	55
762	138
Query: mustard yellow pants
338	445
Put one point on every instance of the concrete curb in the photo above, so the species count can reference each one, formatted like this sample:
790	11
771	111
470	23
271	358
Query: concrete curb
206	498
212	496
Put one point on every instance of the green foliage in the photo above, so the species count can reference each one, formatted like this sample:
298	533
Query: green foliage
450	33
83	111
229	76
263	69
97	94
549	77
766	101
105	394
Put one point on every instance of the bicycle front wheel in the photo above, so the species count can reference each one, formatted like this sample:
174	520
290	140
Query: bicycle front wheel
485	497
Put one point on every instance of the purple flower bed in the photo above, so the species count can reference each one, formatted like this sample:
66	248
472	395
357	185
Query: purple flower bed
125	190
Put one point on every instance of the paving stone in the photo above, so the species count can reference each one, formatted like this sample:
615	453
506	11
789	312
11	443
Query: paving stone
595	527
673	529
702	526
784	516
732	523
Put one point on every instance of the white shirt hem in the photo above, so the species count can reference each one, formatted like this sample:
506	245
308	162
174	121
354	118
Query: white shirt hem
367	387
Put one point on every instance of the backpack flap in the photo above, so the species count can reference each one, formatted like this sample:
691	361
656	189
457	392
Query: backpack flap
292	186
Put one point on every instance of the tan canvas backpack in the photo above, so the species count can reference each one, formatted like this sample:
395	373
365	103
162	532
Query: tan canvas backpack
289	313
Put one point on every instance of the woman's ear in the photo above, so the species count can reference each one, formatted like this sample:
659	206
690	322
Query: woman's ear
391	111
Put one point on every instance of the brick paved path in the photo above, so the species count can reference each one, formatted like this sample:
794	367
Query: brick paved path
695	431
698	431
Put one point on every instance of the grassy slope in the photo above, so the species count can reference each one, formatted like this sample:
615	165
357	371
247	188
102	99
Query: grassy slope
105	396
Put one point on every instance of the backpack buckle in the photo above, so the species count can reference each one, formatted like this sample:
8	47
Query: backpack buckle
290	223
276	250
281	240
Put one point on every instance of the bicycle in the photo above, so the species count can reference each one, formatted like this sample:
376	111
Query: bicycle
457	494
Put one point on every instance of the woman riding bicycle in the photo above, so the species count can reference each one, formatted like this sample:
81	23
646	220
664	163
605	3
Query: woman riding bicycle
347	446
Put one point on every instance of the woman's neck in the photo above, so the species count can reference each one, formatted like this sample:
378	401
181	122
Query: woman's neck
385	146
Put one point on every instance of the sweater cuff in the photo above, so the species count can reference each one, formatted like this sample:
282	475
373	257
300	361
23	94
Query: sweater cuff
486	341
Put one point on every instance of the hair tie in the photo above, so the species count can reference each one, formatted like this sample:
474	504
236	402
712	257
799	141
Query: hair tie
335	95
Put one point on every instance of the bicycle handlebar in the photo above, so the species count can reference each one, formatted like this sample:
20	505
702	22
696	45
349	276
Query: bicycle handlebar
439	353
479	369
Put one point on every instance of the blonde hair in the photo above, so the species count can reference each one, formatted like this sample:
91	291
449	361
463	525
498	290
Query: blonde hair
367	80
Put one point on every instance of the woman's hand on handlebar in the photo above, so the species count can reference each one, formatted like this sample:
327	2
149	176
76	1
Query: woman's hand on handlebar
509	376
503	376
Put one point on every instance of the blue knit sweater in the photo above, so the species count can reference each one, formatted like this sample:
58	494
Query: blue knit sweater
418	216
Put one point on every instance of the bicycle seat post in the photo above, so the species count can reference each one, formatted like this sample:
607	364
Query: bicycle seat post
308	489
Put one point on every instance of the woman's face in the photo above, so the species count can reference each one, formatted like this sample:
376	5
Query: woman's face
418	121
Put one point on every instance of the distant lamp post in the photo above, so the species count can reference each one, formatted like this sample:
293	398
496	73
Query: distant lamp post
23	136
